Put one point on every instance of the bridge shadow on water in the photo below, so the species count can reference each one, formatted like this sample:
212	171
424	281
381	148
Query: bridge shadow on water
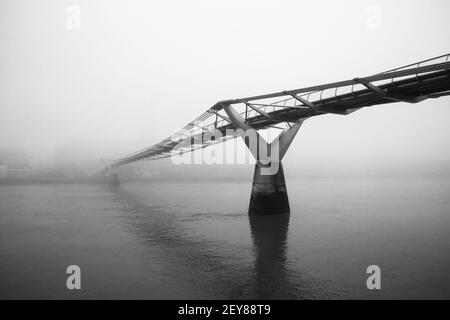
269	235
213	268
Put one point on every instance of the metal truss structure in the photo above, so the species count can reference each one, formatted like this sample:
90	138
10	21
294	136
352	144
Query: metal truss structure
412	84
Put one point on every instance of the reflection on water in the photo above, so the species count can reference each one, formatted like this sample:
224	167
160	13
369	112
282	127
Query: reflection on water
269	278
269	234
196	240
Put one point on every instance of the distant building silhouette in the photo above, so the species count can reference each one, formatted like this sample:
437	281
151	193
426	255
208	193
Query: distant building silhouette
14	164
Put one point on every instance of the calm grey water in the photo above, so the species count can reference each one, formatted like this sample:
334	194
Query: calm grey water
190	240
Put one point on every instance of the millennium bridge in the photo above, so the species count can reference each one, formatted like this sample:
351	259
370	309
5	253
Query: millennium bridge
287	110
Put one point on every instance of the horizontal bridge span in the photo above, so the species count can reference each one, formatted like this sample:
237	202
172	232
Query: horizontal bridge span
377	77
413	83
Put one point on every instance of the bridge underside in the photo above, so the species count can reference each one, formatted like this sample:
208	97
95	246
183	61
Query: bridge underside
269	193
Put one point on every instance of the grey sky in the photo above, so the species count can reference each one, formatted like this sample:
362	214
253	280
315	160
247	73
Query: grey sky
137	70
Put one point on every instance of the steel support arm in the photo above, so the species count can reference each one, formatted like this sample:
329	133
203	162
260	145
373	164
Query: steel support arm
383	94
285	138
264	114
305	102
282	142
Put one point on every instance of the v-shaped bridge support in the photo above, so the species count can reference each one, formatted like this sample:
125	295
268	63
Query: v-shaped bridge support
269	193
110	174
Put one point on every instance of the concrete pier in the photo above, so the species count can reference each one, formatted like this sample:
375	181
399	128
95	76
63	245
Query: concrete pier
269	193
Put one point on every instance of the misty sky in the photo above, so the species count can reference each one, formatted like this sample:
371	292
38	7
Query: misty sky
136	70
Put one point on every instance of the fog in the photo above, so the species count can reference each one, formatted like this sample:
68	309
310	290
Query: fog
132	72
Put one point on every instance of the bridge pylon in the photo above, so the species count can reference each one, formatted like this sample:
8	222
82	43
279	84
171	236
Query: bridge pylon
110	174
269	193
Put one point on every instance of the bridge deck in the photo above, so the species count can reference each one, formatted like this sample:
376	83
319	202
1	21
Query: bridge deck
412	83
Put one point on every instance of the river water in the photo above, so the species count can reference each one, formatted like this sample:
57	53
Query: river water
189	240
